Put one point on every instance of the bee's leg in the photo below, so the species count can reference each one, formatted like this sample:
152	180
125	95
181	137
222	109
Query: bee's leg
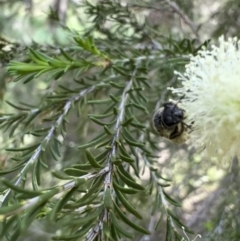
177	131
188	126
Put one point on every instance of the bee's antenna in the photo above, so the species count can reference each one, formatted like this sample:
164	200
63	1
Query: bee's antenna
180	99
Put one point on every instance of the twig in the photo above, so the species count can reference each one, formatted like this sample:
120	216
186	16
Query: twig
155	178
47	138
112	153
184	17
177	10
150	228
150	57
72	184
89	206
61	188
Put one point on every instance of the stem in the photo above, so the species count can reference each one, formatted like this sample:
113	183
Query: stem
112	153
150	57
72	184
155	178
47	138
61	188
184	17
160	191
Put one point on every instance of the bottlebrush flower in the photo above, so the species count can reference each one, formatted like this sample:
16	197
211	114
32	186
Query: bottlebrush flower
211	97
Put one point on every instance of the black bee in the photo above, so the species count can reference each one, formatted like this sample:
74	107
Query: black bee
169	122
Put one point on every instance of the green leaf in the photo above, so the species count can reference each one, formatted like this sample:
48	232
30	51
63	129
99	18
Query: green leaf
4	210
94	141
24	68
36	175
90	216
92	160
67	57
120	229
107	130
130	139
24	148
114	99
32	211
138	106
41	56
98	121
127	205
28	193
126	173
137	125
116	161
108	203
160	176
95	188
103	143
74	172
130	223
172	201
133	143
102	116
77	234
169	230
122	149
61	176
84	167
54	153
102	157
8	225
114	232
126	158
123	189
88	202
99	102
20	165
37	57
178	222
129	182
128	122
156	203
106	231
61	203
17	107
116	85
120	70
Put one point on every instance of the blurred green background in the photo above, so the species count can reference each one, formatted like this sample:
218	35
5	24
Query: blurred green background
208	191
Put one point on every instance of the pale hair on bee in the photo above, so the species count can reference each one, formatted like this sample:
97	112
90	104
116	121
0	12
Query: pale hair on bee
169	123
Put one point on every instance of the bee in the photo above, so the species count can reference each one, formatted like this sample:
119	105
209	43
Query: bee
169	122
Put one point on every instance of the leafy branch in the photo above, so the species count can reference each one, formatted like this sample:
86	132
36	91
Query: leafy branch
42	145
59	65
104	172
112	155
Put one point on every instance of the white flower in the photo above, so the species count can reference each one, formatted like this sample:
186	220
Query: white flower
211	97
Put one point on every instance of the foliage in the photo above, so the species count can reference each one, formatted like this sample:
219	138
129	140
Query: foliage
82	157
106	161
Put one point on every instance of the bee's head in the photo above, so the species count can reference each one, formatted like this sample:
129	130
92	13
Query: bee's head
172	114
